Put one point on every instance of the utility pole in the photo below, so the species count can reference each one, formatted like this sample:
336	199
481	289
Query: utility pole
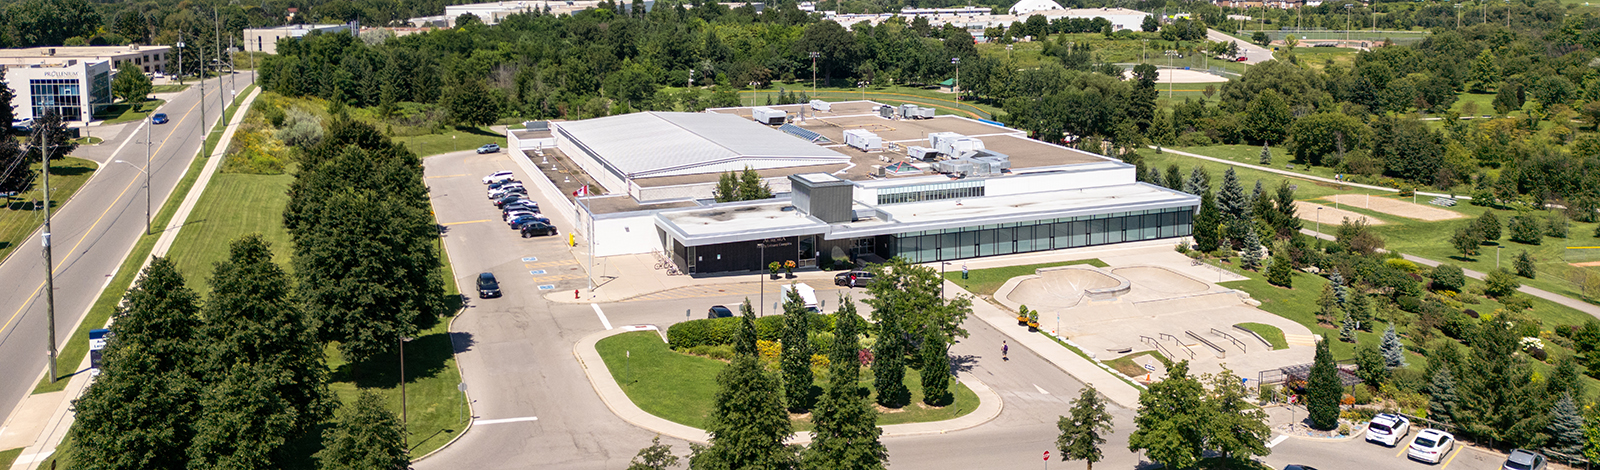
180	58
222	107
814	73
203	127
49	263
149	123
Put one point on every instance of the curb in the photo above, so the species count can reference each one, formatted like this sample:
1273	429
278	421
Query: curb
989	403
465	396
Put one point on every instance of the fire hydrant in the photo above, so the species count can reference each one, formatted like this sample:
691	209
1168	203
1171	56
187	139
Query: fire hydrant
574	294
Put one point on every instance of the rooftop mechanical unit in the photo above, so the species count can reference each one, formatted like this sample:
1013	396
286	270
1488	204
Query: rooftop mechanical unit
769	116
886	112
820	105
978	163
863	139
911	111
953	144
921	153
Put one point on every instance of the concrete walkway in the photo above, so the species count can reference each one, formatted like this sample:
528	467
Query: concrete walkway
1305	176
1579	305
989	403
47	417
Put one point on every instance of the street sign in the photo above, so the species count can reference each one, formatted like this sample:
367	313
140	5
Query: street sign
462	387
1047	455
1150	367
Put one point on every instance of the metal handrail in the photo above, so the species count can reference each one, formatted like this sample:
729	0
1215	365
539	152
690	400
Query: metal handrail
1231	338
1159	347
1207	342
1179	343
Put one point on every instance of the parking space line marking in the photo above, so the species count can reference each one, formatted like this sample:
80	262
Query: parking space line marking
463	223
1278	440
1040	389
505	420
1403	449
446	176
1452	457
603	320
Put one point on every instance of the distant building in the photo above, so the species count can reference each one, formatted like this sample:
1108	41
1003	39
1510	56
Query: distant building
75	81
1025	7
978	18
494	12
266	39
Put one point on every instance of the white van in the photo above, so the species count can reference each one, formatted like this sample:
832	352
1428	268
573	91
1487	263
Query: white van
808	295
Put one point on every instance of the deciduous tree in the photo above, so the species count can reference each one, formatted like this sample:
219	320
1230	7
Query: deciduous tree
1235	430
1171	426
131	84
1083	428
368	436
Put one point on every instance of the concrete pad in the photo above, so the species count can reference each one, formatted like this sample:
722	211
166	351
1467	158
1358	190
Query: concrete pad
28	421
1165	75
1057	289
1160	280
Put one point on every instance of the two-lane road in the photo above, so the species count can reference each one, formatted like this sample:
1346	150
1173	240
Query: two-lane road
94	232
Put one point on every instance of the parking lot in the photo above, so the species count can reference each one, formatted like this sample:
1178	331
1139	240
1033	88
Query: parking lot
1358	454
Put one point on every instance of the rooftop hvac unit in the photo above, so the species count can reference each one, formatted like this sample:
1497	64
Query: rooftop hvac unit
936	137
924	113
886	112
920	153
958	148
954	167
820	105
908	111
877	170
863	139
769	116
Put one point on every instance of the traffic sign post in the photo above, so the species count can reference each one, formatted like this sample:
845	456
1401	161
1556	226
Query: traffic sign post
1047	460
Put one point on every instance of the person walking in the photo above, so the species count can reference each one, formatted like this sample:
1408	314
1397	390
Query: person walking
1004	348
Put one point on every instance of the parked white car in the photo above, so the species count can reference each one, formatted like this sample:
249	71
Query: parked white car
1431	445
1388	429
497	177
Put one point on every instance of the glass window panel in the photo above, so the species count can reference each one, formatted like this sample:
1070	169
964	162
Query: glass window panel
969	244
1114	229
947	246
986	243
1097	232
1006	240
1024	239
1169	224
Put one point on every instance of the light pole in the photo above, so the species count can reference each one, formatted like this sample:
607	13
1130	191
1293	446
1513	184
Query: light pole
1508	14
1497	256
1319	221
146	189
1170	55
957	61
814	72
405	434
942	264
1347	23
180	59
752	94
1458	16
1143	44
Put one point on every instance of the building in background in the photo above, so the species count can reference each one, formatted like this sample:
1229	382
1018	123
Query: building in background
75	81
150	59
266	39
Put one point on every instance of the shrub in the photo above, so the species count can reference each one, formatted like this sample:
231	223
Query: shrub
1516	302
1448	277
1402	264
1557	226
1361	393
1487	225
1409	303
1500	283
1279	273
721	351
703	332
1526	229
300	129
1524	265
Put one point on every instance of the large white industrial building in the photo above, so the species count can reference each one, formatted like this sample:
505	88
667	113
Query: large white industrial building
934	189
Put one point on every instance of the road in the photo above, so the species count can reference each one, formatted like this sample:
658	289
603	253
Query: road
1252	53
94	233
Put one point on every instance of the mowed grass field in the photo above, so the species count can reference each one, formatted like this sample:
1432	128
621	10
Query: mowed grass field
19	217
234	205
681	388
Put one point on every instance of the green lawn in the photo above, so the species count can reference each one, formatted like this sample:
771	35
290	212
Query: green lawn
1320	56
1128	367
8	456
458	139
168	88
234	205
944	103
986	281
19	218
680	387
125	112
1270	333
1484	101
1307	189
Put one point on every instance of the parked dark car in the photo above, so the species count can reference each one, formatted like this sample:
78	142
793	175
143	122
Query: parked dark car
537	228
718	311
501	203
158	118
487	286
1297	467
853	279
519	222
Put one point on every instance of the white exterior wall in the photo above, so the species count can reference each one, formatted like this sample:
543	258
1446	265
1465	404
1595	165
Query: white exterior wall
778	185
266	39
626	235
19	79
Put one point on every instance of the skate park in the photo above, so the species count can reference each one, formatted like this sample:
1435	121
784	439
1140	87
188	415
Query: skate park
1126	310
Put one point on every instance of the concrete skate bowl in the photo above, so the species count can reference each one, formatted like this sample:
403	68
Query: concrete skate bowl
1160	281
1063	287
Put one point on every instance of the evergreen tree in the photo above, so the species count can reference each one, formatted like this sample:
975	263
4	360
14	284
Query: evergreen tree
727	189
1524	265
1558	225
138	413
1360	310
1565	428
1525	229
889	367
1266	156
935	372
1250	251
1234	207
368	436
1327	305
1394	353
7	111
266	380
1487	226
1153	176
846	434
1566	379
1174	178
1323	389
1207	224
1280	273
744	337
796	356
1466	241
1485	71
1370	367
1448	277
1442	399
751	187
1341	293
1500	401
658	456
748	423
1347	329
1084	427
1288	220
1199	181
1169	427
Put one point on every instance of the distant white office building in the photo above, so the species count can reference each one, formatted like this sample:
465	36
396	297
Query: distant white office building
150	59
72	87
1029	6
978	18
266	39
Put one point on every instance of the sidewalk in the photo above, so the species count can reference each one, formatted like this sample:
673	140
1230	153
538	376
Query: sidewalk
989	403
41	421
1579	305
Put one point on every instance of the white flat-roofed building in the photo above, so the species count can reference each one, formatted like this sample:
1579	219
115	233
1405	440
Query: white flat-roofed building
74	88
150	59
266	39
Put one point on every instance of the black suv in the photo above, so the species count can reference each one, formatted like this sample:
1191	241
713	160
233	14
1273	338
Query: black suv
537	228
853	279
718	311
487	286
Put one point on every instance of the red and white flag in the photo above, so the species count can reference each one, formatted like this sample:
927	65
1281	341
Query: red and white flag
582	191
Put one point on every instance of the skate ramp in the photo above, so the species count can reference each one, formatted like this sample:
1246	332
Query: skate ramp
1160	280
1062	288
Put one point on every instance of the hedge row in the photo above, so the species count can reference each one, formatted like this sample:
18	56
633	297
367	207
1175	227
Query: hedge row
719	331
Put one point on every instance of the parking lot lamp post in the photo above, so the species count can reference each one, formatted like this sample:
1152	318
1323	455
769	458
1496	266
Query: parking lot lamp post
763	270
942	264
1319	221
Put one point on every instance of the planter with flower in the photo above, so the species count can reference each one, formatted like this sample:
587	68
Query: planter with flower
788	268
773	268
1033	320
1022	315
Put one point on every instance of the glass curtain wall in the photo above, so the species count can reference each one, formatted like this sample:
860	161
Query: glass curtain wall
1048	234
63	95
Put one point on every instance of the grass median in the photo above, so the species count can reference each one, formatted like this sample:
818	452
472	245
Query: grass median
680	388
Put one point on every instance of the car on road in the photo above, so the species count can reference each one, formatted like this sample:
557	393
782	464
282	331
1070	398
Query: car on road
537	228
718	311
489	148
158	118
498	176
1431	445
1524	460
488	286
1298	467
1242	59
22	126
853	279
1388	429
